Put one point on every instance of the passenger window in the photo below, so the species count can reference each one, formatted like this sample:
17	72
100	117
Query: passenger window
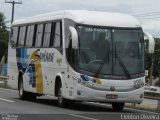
29	38
57	36
25	36
39	35
14	36
22	36
47	34
52	34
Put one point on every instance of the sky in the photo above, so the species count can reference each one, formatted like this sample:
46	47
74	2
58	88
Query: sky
146	11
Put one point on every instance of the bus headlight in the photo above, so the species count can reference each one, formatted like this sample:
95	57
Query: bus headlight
138	83
87	80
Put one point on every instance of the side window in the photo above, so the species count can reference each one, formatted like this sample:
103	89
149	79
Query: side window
22	36
52	34
29	38
39	35
25	37
47	34
57	36
14	36
67	23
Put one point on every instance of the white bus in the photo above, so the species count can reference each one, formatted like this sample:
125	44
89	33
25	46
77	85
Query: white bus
78	55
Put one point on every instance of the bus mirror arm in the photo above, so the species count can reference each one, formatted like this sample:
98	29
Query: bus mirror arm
74	37
151	42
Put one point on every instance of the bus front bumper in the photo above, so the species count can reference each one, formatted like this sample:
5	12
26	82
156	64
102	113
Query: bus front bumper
84	93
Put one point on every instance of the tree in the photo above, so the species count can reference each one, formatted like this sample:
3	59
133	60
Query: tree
156	72
4	36
156	65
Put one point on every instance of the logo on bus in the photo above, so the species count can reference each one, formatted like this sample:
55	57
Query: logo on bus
46	56
112	88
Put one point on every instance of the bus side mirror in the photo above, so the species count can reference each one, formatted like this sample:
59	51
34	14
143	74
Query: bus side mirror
150	42
74	37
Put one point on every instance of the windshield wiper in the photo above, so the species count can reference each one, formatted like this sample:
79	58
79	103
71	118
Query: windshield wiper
100	68
123	66
102	63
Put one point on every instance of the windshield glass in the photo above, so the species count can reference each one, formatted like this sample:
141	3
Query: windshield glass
110	51
94	49
128	51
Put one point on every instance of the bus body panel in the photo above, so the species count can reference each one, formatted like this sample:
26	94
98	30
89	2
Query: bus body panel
38	74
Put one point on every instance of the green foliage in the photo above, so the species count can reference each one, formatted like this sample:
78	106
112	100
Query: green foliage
156	67
2	19
156	63
4	36
147	61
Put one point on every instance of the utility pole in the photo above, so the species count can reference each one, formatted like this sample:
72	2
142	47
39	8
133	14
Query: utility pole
13	2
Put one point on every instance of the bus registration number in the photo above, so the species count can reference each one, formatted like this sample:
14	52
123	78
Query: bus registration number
111	96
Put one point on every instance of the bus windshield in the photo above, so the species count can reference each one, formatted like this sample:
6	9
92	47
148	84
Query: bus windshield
116	52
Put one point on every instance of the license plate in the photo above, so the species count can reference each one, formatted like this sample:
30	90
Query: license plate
111	96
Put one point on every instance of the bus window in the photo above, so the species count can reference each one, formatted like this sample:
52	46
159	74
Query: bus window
52	34
25	36
39	35
22	36
14	36
30	33
47	34
57	36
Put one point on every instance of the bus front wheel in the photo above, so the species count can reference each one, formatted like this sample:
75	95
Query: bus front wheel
118	106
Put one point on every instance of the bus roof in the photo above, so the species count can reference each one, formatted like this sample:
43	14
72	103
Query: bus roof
98	18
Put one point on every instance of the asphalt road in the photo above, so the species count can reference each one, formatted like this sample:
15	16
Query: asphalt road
46	108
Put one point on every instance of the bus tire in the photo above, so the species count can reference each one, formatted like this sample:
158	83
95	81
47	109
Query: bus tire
23	95
61	100
117	106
